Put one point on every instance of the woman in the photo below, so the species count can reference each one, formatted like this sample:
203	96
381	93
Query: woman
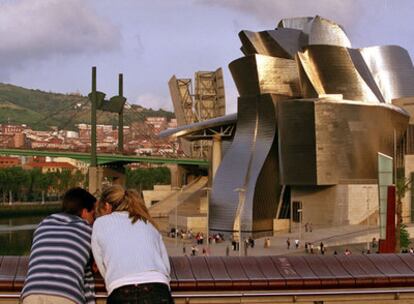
129	250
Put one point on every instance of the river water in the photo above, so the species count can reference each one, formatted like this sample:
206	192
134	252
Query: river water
16	234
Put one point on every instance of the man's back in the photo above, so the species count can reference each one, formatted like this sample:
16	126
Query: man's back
59	255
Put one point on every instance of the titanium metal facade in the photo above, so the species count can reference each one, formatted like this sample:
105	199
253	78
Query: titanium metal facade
312	112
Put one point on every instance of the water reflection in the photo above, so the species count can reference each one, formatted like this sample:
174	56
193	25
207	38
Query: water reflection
16	234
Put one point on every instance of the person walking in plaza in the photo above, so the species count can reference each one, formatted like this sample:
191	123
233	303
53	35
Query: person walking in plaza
129	250
322	247
60	260
296	243
288	243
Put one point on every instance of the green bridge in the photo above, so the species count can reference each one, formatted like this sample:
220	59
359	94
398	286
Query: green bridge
107	158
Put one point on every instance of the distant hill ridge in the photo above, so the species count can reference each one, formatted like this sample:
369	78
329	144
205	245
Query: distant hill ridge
41	110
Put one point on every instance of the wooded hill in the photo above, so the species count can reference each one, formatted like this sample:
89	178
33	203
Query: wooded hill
41	110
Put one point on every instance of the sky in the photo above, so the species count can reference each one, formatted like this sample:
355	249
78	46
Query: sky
51	45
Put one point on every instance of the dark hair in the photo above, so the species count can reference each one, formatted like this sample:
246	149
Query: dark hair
76	199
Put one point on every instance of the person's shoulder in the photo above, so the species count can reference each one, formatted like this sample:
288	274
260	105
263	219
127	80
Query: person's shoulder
106	219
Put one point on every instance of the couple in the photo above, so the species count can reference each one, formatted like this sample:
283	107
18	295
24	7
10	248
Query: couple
126	246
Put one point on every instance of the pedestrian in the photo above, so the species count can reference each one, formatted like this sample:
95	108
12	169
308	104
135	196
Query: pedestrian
204	251
306	247
193	250
184	249
347	252
227	250
251	242
296	243
288	243
411	250
306	227
311	248
310	227
322	246
59	264
335	252
374	242
129	250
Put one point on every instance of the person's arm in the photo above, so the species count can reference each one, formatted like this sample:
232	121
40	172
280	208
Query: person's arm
97	250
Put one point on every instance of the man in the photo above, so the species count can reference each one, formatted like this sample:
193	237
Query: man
59	265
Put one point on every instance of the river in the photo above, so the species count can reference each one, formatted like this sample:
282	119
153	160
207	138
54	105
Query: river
16	234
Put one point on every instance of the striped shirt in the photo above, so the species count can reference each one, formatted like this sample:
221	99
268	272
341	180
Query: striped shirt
60	257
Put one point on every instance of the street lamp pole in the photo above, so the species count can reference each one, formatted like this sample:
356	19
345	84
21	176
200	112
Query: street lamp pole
242	198
179	190
368	214
291	216
208	189
300	225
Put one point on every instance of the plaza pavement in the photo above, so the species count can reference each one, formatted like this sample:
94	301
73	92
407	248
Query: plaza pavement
353	237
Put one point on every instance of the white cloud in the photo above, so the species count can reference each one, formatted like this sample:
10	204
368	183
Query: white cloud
38	29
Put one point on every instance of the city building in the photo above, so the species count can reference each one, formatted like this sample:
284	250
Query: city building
156	124
9	161
50	166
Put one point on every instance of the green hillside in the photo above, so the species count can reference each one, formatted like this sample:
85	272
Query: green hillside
41	110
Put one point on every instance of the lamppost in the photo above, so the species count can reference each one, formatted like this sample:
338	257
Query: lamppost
290	216
300	226
368	214
208	189
179	191
242	197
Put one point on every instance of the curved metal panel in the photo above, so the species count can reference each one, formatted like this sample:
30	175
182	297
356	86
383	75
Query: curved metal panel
331	70
217	122
282	43
258	74
392	70
250	162
300	23
327	142
324	31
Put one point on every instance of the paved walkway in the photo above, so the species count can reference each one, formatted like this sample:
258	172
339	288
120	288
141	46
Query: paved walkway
334	238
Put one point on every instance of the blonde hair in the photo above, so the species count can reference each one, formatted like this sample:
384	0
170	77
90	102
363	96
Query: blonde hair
127	200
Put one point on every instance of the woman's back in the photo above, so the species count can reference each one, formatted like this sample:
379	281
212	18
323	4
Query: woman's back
127	252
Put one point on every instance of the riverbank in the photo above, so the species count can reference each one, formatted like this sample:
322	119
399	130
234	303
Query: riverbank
29	209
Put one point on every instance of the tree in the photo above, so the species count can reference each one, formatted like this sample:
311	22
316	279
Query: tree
404	237
144	179
401	187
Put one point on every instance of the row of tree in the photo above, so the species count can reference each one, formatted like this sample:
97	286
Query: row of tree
17	184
